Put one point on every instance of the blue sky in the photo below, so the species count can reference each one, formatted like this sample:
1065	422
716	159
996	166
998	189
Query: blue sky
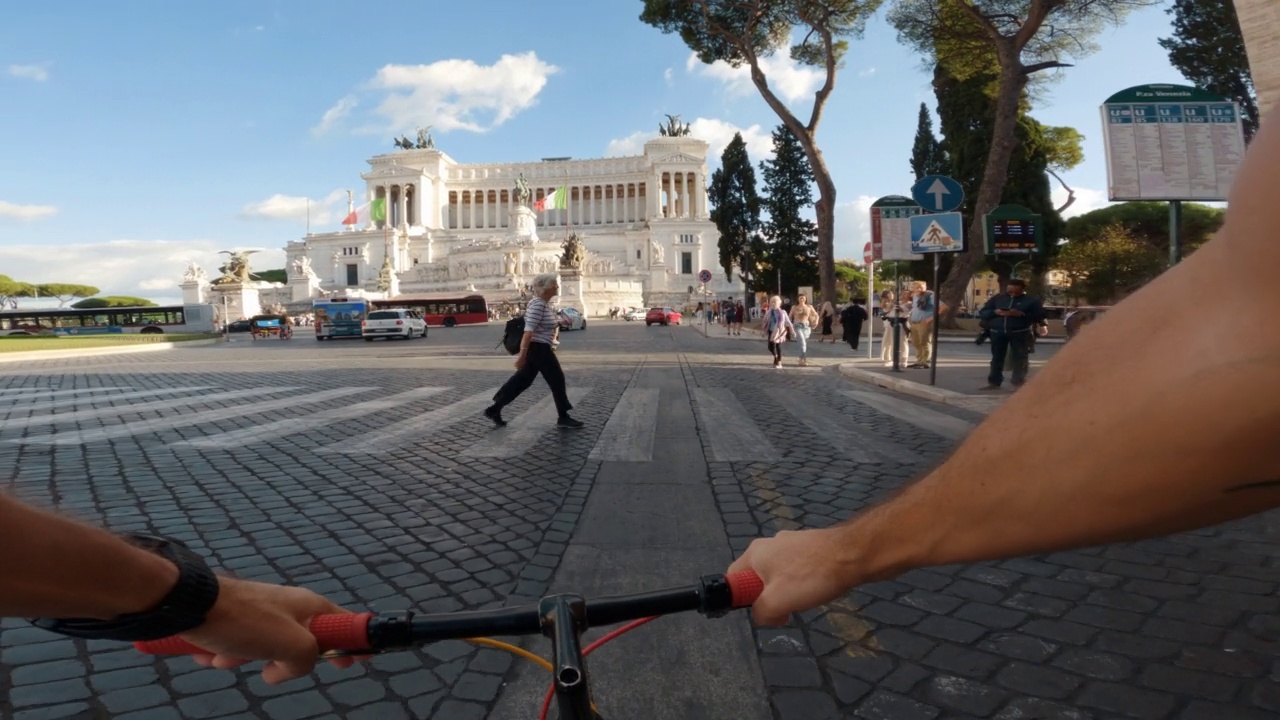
144	134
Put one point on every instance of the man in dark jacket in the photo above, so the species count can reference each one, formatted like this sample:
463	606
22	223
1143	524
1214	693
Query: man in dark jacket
1011	317
851	319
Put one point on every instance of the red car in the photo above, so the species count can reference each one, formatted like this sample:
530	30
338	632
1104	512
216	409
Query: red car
662	316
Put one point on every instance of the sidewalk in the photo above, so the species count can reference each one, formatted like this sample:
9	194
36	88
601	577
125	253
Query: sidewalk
958	383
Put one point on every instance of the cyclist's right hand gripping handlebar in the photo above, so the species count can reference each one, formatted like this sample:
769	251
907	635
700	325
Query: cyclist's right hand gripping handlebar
350	631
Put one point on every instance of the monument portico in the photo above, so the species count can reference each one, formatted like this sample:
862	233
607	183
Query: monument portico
451	228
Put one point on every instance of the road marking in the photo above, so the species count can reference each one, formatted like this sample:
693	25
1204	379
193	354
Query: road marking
628	435
419	428
952	428
79	437
58	393
523	431
833	428
733	435
287	426
109	398
79	415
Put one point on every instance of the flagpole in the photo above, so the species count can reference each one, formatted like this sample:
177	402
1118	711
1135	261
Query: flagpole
308	216
351	207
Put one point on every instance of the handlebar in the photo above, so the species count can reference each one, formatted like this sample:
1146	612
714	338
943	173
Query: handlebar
365	633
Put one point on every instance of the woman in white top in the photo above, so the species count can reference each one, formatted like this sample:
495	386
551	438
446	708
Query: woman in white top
775	324
804	317
893	312
536	356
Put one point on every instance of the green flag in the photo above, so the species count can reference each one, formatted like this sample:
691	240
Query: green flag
378	209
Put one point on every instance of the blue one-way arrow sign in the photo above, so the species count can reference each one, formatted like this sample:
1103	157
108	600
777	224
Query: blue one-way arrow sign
938	193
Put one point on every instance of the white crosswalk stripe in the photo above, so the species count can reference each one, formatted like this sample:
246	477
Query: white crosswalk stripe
28	392
938	423
733	436
77	416
835	429
72	402
279	428
523	431
79	437
628	435
422	427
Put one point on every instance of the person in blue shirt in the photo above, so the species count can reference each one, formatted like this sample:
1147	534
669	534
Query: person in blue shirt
1011	317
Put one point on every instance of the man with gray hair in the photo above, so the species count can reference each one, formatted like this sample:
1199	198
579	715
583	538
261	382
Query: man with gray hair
536	356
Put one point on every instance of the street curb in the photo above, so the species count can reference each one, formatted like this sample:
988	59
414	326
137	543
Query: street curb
906	387
94	352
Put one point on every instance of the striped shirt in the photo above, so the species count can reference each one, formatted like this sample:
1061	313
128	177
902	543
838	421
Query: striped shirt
540	320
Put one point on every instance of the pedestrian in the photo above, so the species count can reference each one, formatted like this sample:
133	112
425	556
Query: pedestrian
536	356
828	318
803	318
777	328
894	314
1011	316
739	314
921	319
851	319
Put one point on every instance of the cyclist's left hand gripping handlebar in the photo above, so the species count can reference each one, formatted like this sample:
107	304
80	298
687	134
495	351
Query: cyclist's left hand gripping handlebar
344	631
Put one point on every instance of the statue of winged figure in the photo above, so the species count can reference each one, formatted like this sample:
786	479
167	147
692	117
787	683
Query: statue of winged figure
237	268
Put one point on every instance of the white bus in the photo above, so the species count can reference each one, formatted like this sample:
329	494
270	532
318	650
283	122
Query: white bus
109	321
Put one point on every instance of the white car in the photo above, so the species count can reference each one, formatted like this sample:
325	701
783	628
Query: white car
571	319
633	314
394	322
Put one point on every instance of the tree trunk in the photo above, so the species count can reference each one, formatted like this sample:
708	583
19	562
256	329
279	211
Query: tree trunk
825	208
994	177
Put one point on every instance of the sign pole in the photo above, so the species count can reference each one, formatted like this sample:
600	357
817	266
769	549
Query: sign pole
1175	232
937	305
897	326
871	294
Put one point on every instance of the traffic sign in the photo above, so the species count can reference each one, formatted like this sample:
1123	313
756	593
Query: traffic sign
867	257
1012	230
891	228
704	276
940	232
938	194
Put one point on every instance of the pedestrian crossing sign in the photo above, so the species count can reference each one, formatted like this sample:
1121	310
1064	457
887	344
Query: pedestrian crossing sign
937	232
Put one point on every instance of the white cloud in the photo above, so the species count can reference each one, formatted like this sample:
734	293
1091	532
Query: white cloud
292	207
340	109
460	94
667	76
39	73
148	268
26	212
716	133
787	78
867	73
1087	200
853	228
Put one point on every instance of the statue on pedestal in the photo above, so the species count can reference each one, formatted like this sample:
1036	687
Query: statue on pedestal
237	268
673	128
657	251
194	273
574	253
522	190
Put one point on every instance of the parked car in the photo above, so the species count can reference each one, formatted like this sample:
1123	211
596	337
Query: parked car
632	314
239	326
571	319
663	316
395	322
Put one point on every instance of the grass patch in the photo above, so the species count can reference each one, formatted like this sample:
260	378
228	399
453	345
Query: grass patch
27	343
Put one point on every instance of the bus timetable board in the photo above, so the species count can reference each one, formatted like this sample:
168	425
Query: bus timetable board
1011	236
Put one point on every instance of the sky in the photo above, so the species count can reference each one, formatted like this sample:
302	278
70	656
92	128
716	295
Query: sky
142	135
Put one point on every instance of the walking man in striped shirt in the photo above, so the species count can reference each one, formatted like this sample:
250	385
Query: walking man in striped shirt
536	356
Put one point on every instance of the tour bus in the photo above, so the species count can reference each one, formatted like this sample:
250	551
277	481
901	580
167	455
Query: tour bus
442	311
109	320
339	317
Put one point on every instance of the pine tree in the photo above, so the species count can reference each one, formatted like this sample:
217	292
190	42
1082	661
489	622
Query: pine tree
927	155
736	213
790	237
1207	47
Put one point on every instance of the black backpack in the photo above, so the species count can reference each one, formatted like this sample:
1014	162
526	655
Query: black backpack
512	334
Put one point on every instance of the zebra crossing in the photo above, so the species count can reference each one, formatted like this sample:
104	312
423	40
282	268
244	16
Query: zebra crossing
237	418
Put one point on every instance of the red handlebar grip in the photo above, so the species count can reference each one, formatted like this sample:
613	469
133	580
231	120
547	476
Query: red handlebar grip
745	587
344	631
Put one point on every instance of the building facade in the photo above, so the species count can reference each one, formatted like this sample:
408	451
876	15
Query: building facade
453	228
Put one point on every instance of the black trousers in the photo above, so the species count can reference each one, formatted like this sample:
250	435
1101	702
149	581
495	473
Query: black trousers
1001	344
540	359
775	349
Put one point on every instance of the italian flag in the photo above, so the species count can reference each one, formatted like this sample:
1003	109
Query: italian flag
557	200
373	210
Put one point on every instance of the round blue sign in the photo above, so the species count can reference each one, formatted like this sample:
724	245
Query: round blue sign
704	276
938	194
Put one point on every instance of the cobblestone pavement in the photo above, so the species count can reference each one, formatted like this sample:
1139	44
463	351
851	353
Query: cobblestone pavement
332	467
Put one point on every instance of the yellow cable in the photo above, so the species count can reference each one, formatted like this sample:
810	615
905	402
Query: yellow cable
513	650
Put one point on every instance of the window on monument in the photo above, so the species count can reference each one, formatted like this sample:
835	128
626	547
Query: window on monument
637	254
686	263
353	275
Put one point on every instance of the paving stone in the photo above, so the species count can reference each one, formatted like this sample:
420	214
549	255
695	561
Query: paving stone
848	689
1189	682
889	706
1018	646
118	702
1036	680
1094	664
214	704
414	683
1025	708
383	711
791	672
48	672
951	629
297	706
51	692
962	661
126	678
456	710
1125	700
805	705
477	686
963	694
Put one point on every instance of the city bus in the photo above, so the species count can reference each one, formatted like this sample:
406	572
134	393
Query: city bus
109	321
339	317
443	311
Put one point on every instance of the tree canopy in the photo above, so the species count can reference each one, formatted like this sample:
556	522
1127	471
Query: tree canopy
736	212
65	291
927	154
1149	222
1110	266
113	301
1208	48
790	246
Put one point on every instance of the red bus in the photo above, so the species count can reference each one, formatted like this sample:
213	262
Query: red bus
442	311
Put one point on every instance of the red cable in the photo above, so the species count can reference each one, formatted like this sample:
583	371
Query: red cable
551	691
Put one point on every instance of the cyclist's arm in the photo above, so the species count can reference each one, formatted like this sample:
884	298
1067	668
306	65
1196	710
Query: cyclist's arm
54	567
1162	418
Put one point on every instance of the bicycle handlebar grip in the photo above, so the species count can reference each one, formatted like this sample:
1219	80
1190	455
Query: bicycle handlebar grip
345	631
745	587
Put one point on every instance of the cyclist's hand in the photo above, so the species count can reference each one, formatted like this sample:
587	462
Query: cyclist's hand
257	621
800	570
